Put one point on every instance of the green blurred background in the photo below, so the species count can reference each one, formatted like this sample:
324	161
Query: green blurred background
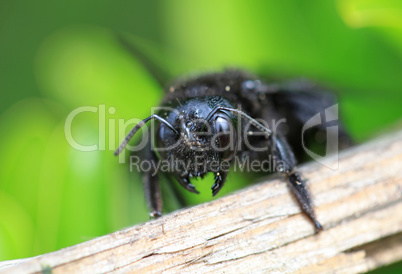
56	56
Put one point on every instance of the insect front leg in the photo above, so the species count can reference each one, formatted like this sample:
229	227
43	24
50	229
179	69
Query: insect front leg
151	185
285	162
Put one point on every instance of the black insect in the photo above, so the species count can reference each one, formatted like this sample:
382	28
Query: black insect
229	117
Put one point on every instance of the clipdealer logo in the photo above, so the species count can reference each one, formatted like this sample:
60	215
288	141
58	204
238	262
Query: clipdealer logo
327	119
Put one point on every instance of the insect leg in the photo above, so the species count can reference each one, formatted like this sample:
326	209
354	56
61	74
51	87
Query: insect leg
284	163
300	190
151	186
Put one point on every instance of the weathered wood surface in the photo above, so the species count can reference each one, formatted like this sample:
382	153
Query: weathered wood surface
261	228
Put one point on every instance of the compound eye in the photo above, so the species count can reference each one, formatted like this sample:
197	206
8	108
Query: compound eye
163	140
226	137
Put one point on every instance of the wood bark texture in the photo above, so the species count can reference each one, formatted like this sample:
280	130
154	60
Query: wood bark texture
261	228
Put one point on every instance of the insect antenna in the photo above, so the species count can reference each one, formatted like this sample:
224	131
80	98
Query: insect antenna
140	125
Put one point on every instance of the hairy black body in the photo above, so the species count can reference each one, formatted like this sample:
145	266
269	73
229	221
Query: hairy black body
214	118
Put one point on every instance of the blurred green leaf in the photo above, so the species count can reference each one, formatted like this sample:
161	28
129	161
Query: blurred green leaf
16	234
26	128
86	66
384	17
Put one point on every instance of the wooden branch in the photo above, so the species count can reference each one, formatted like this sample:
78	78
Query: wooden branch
261	228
